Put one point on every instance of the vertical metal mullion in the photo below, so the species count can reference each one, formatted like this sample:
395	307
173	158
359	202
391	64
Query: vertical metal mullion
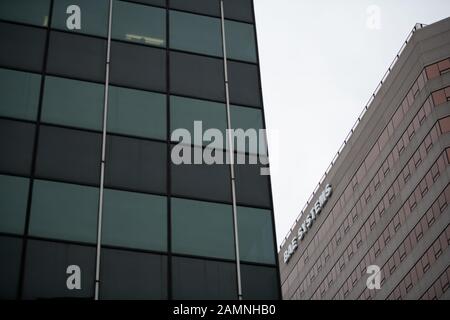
168	164
231	154
102	164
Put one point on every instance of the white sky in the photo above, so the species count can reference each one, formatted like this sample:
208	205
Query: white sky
320	63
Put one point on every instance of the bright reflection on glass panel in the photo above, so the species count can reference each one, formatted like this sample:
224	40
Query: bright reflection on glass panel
139	23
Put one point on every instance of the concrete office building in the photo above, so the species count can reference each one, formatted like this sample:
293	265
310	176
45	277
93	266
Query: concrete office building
91	205
386	203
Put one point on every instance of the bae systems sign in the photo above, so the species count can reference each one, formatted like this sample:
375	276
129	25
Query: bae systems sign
306	225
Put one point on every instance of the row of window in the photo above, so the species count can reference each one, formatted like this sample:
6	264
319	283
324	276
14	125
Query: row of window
131	164
404	249
422	266
124	274
372	156
374	218
366	195
371	220
79	104
135	220
397	118
439	287
37	11
133	66
141	24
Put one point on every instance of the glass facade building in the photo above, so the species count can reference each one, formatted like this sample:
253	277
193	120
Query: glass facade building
86	117
390	181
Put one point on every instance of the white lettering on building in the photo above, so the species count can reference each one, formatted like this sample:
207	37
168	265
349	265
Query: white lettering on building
309	220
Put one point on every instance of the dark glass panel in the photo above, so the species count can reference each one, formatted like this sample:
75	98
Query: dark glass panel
203	280
136	164
67	154
197	76
16	146
47	271
22	47
138	67
10	256
76	56
132	275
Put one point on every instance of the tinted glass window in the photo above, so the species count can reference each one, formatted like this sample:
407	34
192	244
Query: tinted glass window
73	103
76	56
256	243
239	10
203	280
16	146
26	11
252	188
70	155
137	113
19	94
139	23
64	211
195	33
10	256
197	76
94	16
22	47
184	112
248	119
138	67
47	273
161	3
13	203
259	283
134	220
132	275
215	178
136	164
211	7
244	84
241	44
202	228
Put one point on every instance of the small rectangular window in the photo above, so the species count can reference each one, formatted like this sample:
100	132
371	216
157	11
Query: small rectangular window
137	113
19	94
240	39
189	217
73	103
16	146
26	11
22	47
139	23
195	33
64	211
134	220
255	235
13	203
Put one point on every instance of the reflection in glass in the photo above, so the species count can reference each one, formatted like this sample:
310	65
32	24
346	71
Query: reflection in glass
26	11
139	23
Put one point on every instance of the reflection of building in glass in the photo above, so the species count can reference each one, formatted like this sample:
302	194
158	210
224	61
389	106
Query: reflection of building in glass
389	205
167	232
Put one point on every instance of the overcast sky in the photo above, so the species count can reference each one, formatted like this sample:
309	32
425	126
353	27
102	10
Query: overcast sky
320	62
